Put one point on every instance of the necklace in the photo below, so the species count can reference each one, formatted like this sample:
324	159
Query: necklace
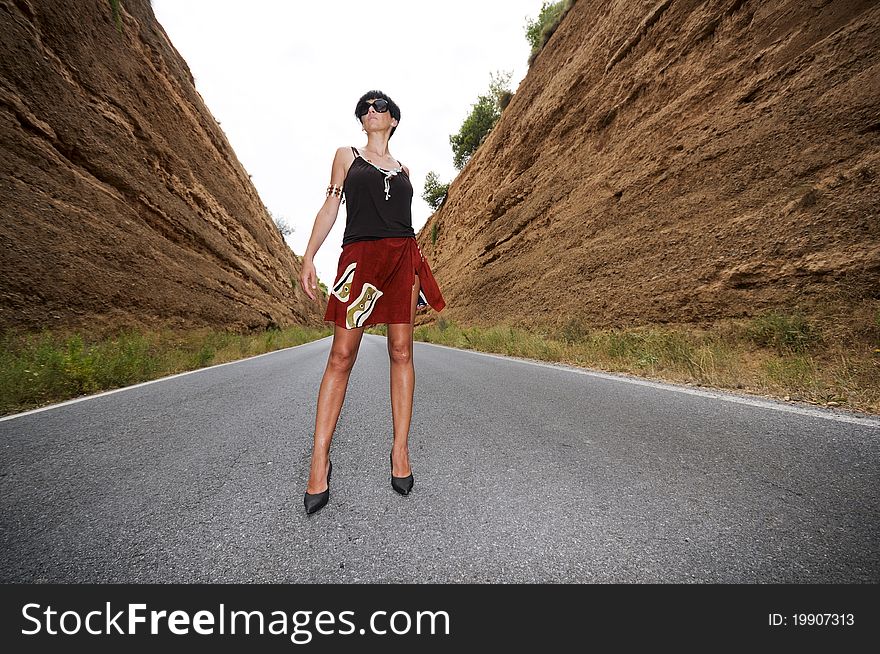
388	173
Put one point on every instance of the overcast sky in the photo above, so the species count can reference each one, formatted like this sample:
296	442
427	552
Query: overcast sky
282	77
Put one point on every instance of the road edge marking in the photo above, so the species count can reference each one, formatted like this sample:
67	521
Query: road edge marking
718	394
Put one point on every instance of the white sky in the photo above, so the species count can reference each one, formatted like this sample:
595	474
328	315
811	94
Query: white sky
283	76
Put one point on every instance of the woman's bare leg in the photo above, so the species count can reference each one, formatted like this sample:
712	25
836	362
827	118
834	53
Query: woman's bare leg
343	354
403	381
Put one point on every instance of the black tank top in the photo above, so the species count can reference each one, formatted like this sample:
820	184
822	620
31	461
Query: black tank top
378	202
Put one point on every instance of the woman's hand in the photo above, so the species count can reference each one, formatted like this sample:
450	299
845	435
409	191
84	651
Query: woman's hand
308	277
324	220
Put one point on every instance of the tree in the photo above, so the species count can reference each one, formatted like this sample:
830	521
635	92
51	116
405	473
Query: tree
485	112
282	224
435	192
498	85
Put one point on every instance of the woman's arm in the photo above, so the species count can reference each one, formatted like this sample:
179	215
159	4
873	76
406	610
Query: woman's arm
324	220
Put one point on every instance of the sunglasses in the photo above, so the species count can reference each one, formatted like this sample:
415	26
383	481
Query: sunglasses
380	105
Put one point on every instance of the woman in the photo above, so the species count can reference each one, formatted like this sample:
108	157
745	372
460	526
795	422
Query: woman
382	277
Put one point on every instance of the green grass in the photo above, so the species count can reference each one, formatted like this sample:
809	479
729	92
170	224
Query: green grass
835	362
783	332
43	368
775	354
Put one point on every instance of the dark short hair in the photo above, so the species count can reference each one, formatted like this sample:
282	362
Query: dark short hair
375	95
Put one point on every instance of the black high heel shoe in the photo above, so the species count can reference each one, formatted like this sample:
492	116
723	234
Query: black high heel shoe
402	485
316	501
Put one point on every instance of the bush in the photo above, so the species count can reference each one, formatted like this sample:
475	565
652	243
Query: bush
117	17
281	224
539	31
473	131
435	192
485	112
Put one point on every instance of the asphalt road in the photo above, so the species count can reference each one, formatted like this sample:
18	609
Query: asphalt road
524	472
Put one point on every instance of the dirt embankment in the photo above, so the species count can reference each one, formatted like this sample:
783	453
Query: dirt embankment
123	204
675	161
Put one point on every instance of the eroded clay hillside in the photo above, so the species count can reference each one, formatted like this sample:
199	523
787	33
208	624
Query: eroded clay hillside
122	201
676	160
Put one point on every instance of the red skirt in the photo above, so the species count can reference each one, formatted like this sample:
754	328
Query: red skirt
374	282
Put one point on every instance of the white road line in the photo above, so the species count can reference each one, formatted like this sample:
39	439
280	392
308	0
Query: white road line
827	414
146	383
